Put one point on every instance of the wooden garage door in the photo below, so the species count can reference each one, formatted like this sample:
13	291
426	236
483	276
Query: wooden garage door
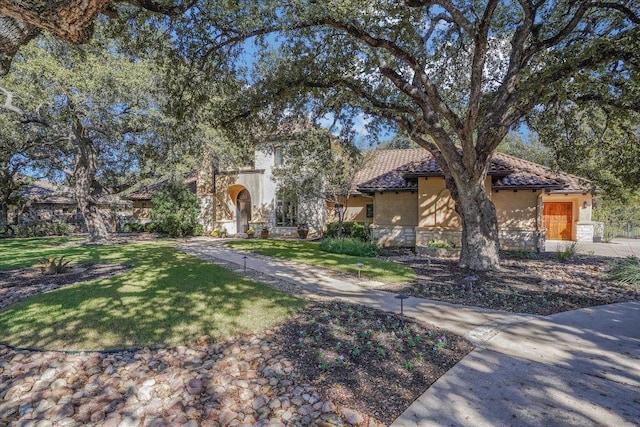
557	219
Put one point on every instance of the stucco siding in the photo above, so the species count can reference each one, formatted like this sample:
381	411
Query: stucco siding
396	209
435	205
516	209
356	209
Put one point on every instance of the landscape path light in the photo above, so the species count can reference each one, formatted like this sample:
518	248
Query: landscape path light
244	259
359	265
401	297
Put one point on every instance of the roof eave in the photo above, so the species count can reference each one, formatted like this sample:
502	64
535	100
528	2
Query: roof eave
545	188
387	190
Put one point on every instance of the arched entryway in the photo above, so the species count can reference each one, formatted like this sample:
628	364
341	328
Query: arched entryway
243	210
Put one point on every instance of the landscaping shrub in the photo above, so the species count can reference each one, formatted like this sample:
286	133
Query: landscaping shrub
350	246
626	270
569	252
356	229
138	227
175	210
40	229
441	244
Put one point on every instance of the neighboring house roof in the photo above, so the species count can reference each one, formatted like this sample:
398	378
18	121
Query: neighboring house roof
507	172
147	192
48	193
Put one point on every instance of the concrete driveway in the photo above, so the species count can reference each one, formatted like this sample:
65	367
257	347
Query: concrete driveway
618	248
578	368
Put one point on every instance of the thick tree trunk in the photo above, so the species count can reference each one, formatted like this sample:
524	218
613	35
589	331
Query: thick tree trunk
85	175
480	243
4	217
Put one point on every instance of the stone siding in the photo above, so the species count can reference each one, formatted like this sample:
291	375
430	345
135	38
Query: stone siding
524	240
511	239
585	231
394	235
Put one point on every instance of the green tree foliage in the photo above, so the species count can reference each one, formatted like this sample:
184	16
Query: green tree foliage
92	112
399	141
455	76
15	157
594	141
316	168
175	210
529	149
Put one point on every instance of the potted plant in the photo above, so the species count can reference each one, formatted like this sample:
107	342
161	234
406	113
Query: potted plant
250	233
264	233
303	231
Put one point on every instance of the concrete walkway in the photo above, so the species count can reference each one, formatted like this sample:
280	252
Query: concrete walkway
579	368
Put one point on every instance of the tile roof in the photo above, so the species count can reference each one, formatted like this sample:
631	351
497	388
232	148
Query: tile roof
380	162
508	172
41	191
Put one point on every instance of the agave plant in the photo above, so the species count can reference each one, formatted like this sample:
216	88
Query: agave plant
626	270
50	266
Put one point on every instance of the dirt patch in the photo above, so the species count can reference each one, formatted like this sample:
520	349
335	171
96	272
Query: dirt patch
537	284
16	285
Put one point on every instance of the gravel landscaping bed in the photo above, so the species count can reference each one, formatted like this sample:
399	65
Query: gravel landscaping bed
536	283
334	364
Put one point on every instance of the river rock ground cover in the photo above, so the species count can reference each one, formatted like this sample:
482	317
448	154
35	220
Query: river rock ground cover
331	364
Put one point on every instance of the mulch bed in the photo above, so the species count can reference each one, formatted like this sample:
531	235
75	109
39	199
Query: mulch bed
374	362
536	283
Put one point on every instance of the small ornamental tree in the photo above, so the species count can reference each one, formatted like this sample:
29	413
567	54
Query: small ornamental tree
175	210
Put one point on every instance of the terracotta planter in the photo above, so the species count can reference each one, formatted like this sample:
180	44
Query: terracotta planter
264	234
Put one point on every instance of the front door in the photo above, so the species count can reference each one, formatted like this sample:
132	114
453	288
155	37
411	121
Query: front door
558	220
243	211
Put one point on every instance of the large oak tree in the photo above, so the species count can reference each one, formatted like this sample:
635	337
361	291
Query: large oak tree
455	76
92	114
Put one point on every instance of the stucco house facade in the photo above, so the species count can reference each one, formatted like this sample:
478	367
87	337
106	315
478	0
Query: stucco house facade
235	200
402	194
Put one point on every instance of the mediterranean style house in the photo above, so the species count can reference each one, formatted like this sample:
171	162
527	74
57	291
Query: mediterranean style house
402	194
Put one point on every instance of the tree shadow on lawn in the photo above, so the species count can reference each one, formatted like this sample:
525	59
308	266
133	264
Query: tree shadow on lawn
310	253
168	298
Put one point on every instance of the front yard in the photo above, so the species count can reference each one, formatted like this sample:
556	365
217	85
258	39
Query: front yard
190	341
310	253
229	350
164	298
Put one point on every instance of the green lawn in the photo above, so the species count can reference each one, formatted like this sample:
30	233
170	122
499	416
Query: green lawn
310	253
167	298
